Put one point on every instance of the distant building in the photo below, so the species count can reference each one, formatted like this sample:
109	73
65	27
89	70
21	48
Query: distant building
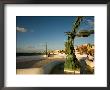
57	52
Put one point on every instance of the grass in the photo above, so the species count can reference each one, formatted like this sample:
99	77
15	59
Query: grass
29	54
26	64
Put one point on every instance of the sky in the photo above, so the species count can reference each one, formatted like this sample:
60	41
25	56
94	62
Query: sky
33	32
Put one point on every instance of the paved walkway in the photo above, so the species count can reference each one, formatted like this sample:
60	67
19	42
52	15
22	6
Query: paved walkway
39	67
36	64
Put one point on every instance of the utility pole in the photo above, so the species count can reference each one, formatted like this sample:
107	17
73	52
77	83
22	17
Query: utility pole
46	49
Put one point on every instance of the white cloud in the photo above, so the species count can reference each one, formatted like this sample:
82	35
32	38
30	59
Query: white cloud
90	22
19	29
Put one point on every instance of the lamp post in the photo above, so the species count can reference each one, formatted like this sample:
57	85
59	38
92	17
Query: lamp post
46	49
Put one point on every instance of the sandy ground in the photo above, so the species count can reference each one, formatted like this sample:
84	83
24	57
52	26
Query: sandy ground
33	65
37	63
29	71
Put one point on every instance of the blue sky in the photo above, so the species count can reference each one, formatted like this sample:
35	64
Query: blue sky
34	31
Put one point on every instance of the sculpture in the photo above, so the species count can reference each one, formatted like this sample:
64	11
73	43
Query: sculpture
71	62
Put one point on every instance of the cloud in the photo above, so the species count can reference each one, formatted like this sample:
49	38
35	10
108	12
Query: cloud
19	29
90	22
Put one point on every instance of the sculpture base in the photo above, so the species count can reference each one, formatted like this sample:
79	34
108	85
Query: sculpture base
67	71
